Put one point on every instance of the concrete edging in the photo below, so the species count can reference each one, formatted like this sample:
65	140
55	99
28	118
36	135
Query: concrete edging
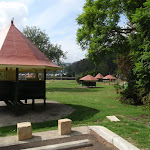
63	146
113	138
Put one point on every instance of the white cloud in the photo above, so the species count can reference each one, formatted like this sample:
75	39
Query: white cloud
16	10
74	52
57	12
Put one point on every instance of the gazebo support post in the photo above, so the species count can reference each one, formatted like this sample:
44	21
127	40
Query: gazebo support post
16	88
33	104
45	87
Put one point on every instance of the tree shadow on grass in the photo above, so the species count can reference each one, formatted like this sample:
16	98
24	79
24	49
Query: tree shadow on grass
80	90
81	114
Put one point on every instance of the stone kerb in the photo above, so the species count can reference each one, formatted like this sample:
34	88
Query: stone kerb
64	126
24	131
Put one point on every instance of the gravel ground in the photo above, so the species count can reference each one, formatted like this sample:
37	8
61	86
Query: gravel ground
52	111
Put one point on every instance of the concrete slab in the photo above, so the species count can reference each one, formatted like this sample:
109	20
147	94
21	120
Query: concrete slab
112	118
40	136
113	138
63	146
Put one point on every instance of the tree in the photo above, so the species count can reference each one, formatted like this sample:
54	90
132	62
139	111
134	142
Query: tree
41	40
87	66
99	32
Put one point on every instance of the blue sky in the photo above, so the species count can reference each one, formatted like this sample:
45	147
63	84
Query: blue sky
56	17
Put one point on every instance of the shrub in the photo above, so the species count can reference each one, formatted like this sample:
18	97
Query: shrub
118	88
146	100
131	96
78	78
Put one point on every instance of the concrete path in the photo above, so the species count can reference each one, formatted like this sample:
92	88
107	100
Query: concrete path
101	131
40	136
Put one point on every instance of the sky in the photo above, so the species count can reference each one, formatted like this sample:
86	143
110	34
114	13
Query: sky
55	17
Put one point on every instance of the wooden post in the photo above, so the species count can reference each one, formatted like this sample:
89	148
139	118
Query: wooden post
26	101
16	88
32	104
6	74
45	87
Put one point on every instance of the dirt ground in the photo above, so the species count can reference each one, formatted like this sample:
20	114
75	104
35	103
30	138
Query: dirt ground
52	111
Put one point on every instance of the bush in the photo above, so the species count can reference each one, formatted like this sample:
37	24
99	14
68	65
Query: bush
146	100
131	96
78	78
118	88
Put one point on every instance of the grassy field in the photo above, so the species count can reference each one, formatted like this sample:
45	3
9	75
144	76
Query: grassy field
92	105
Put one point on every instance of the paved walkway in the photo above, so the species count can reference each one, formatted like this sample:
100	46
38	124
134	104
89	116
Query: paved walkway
42	139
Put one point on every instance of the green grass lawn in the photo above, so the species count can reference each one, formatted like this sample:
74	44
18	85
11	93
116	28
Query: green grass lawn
92	105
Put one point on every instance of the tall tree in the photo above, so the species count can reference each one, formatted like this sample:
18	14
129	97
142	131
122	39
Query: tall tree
42	42
99	32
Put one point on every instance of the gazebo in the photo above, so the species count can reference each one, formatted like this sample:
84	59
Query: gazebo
99	77
109	77
88	81
19	58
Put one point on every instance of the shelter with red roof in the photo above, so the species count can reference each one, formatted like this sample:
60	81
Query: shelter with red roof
99	77
109	77
88	81
18	57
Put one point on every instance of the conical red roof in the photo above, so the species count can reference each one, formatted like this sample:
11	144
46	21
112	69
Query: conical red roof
17	50
99	76
109	77
88	78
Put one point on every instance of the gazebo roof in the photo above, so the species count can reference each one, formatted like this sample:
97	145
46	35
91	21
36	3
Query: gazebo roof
18	52
99	76
110	77
88	78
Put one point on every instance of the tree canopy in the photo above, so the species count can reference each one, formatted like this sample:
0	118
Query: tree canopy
42	41
100	33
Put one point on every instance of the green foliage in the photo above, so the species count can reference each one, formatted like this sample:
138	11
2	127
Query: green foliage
41	40
141	42
146	100
78	78
99	32
105	66
118	88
